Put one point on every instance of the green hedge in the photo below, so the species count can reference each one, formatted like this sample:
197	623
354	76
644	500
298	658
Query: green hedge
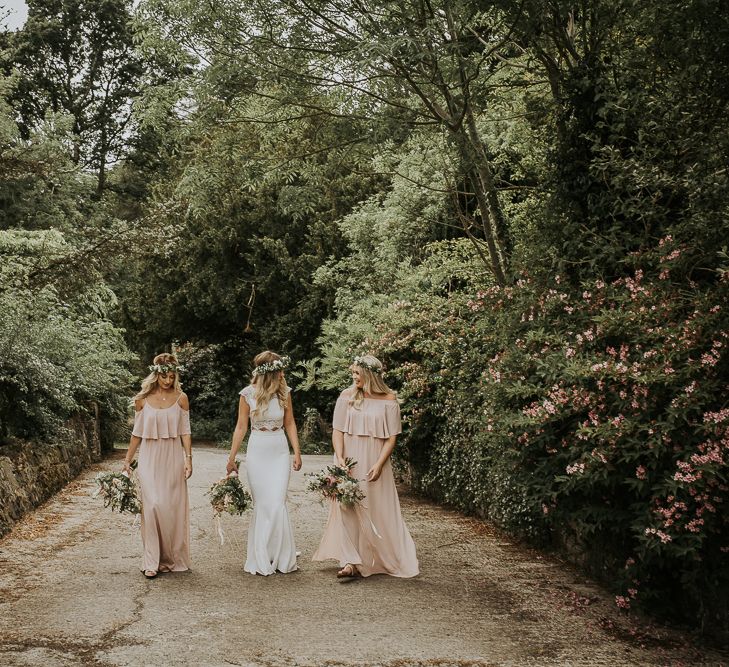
594	416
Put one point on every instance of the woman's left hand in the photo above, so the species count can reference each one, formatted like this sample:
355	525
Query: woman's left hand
374	473
297	461
188	468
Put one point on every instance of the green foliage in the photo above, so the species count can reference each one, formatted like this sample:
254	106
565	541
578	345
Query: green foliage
595	415
59	351
521	207
77	57
214	374
58	354
518	404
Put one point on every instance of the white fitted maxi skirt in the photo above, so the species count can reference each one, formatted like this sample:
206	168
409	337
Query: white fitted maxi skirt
271	544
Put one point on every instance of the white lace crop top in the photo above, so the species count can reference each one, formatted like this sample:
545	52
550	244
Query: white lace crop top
271	418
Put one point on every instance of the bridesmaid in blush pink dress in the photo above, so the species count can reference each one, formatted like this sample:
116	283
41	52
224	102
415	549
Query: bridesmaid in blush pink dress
162	434
372	537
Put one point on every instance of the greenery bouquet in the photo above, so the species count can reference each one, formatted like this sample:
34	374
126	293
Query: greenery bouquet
229	495
119	492
337	483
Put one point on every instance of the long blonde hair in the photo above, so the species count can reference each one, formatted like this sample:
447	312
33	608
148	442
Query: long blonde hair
268	385
149	384
372	380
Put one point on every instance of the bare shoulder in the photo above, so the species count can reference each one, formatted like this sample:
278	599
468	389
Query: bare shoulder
138	404
184	401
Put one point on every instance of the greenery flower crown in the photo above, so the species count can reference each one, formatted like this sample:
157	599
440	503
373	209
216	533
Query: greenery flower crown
166	368
272	366
360	361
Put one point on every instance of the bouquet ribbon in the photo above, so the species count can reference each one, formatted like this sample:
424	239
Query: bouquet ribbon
219	529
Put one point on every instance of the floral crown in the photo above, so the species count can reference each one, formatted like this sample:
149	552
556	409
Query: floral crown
166	368
361	361
271	366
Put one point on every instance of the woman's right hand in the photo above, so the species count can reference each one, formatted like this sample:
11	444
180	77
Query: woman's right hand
126	468
230	467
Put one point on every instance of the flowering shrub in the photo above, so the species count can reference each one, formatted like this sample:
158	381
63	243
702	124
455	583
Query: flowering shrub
614	399
596	416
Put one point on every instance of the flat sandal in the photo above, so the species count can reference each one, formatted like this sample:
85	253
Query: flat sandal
347	571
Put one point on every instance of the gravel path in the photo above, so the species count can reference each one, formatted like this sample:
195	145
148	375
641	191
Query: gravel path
71	594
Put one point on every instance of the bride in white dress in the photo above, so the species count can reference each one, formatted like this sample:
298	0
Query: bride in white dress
267	403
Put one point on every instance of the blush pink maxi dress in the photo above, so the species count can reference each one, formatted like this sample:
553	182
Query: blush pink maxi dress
372	535
163	488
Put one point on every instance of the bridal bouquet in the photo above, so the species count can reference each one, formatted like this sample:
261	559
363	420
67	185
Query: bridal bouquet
337	483
229	495
118	491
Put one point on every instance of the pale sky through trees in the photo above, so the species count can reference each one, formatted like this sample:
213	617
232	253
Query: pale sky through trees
18	12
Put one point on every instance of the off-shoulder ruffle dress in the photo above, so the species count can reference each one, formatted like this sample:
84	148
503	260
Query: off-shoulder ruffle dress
372	535
163	488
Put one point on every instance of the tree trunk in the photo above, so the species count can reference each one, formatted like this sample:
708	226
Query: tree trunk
472	168
489	193
103	150
101	181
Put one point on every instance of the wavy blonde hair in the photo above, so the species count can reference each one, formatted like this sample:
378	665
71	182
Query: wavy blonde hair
372	382
268	385
150	383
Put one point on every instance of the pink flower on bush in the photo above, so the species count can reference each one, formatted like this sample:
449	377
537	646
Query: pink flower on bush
598	455
694	525
708	359
673	255
640	472
686	473
665	538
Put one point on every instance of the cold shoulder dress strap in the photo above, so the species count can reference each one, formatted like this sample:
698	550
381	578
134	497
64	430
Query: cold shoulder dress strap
183	427
138	428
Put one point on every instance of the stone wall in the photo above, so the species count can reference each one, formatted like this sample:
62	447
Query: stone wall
30	473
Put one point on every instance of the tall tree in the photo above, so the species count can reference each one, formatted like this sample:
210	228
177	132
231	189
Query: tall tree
405	65
77	57
638	102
